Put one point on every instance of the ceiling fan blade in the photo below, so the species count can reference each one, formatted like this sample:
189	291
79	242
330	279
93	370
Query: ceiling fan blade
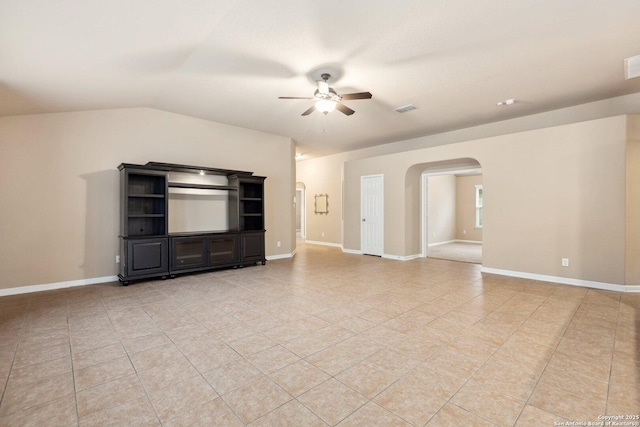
309	111
359	95
294	97
344	109
323	87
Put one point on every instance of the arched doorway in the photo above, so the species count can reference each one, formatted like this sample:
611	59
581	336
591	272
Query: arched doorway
451	195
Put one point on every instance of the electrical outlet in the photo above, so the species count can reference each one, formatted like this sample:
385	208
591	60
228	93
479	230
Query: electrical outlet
565	262
117	259
278	244
464	231
322	234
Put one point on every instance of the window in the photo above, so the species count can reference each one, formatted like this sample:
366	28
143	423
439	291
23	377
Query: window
478	206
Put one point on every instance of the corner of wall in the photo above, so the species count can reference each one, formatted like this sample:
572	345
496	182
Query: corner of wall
632	201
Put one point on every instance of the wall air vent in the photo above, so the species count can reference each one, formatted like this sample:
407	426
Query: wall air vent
632	67
405	108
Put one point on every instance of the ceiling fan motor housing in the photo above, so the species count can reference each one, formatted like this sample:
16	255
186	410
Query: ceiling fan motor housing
332	95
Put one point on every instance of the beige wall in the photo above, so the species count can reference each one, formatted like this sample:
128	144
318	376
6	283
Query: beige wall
441	206
59	184
194	210
632	197
323	176
564	187
466	208
327	172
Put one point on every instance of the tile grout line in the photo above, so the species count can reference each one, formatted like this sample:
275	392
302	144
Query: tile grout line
181	352
495	351
15	352
304	358
309	292
196	368
132	365
423	361
371	400
73	371
526	402
554	351
484	363
613	352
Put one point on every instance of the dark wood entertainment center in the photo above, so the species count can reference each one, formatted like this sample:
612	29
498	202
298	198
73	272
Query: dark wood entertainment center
149	250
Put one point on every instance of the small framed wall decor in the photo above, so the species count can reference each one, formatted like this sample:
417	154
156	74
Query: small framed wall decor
322	204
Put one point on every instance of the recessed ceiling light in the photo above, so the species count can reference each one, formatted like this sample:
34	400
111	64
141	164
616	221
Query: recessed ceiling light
509	101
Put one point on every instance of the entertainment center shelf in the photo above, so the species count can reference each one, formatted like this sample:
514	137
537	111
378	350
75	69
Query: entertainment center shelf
200	186
149	250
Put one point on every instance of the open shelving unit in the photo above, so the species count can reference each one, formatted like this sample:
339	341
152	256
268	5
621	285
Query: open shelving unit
146	204
149	250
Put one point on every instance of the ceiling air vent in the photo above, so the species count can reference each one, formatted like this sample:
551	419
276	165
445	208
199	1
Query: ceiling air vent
632	67
405	108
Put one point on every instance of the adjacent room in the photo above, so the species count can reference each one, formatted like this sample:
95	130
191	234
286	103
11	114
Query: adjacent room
296	213
454	217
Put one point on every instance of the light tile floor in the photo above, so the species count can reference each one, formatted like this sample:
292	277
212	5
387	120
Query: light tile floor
325	338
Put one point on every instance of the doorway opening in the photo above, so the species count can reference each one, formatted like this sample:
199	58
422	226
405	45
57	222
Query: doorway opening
452	207
301	211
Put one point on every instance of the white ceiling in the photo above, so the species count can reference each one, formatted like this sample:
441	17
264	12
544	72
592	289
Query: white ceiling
228	61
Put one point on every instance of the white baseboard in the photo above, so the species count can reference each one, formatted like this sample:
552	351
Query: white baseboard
454	241
315	242
280	256
58	285
441	243
352	251
402	258
85	282
563	280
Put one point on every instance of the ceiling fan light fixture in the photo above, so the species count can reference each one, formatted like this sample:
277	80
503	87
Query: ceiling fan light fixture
327	99
325	106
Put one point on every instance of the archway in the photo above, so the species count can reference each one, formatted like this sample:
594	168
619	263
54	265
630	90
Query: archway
453	224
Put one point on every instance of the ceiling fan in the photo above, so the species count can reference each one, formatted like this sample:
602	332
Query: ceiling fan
327	99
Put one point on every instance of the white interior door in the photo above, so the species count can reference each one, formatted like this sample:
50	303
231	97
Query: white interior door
372	214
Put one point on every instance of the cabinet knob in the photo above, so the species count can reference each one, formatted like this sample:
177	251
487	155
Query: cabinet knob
364	220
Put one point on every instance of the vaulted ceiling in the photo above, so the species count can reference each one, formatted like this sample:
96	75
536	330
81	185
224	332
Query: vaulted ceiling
228	61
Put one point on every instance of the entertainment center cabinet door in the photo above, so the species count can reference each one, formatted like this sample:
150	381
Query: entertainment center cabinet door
146	257
223	250
253	247
188	253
